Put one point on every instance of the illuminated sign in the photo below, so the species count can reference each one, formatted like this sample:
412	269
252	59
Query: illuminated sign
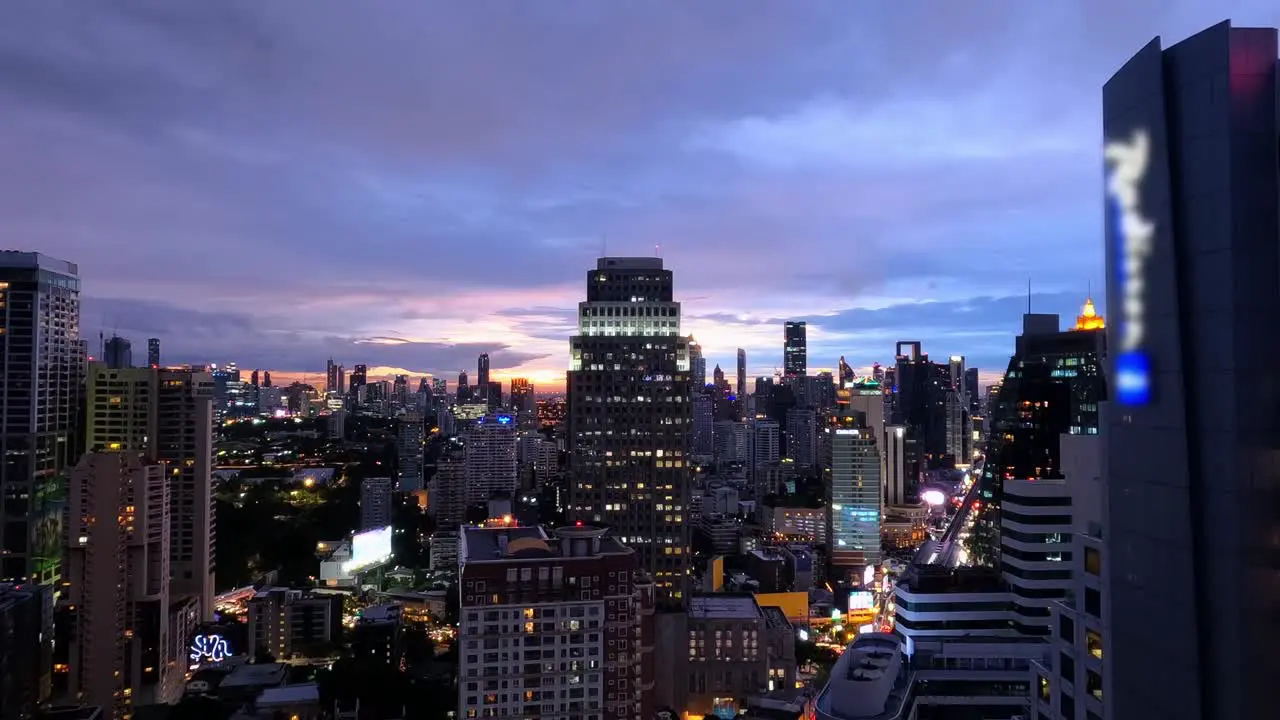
209	648
1127	163
861	600
933	497
368	549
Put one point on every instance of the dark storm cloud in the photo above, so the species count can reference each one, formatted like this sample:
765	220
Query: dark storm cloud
204	336
414	161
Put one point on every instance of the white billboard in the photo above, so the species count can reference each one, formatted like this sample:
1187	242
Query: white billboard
861	600
369	549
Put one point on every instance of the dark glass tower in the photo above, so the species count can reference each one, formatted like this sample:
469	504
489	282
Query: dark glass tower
118	353
795	353
1193	438
40	368
629	416
153	352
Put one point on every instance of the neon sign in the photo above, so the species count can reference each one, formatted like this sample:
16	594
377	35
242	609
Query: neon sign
209	648
1128	162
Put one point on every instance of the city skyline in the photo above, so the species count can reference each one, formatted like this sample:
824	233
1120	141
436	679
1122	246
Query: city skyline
347	204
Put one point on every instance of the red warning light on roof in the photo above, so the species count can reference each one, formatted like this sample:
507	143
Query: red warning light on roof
578	523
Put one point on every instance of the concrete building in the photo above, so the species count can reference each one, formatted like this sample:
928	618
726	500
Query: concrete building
285	622
117	581
1193	195
167	415
854	501
730	441
409	452
553	626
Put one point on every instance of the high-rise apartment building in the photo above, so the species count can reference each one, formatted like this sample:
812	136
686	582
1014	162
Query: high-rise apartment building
409	452
553	626
855	498
491	461
795	352
41	359
116	586
522	402
629	416
166	415
1193	240
375	502
153	352
802	438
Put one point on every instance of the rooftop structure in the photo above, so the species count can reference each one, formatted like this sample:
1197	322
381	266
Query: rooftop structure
868	682
724	606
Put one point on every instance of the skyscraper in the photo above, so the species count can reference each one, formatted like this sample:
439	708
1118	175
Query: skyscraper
1193	267
697	366
153	352
117	352
39	349
482	371
795	353
629	416
740	389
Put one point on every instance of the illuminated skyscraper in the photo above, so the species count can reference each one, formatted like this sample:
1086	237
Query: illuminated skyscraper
795	352
629	416
1193	432
40	374
153	352
740	389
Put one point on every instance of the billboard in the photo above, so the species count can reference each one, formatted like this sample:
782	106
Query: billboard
861	600
1127	161
369	549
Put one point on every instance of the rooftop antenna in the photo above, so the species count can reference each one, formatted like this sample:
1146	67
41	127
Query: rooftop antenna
1088	289
657	250
1028	296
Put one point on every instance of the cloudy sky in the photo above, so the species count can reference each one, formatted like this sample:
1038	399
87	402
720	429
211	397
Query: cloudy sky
279	182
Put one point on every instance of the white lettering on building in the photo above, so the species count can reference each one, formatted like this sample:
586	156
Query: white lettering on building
1128	166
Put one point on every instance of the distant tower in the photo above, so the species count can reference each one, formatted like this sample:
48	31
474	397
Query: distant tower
153	352
741	389
795	353
118	353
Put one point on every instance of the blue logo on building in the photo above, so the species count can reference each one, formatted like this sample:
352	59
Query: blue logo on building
1133	379
1134	236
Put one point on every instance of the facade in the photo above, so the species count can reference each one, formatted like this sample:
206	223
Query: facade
855	497
284	623
167	415
117	353
795	349
153	354
630	416
740	387
553	626
1191	137
40	351
117	594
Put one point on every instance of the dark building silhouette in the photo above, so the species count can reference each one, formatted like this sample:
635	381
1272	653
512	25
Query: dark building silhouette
153	352
1193	482
795	352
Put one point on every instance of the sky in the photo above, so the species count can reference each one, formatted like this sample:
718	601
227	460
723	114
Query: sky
278	183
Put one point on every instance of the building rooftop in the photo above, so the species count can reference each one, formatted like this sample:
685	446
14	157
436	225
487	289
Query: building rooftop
868	682
507	542
775	618
256	675
629	263
724	606
941	579
289	695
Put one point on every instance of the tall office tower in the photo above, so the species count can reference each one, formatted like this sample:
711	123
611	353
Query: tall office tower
717	378
400	390
854	497
763	446
795	353
697	366
409	451
492	466
375	502
117	585
26	624
1191	138
464	389
117	352
895	465
703	420
439	387
331	376
359	377
629	417
741	388
482	371
39	356
153	352
973	391
579	589
845	374
167	415
266	378
492	395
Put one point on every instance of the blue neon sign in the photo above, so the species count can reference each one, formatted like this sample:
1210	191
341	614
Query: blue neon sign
209	648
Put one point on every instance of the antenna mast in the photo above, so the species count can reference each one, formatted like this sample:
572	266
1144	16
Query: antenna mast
1028	296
